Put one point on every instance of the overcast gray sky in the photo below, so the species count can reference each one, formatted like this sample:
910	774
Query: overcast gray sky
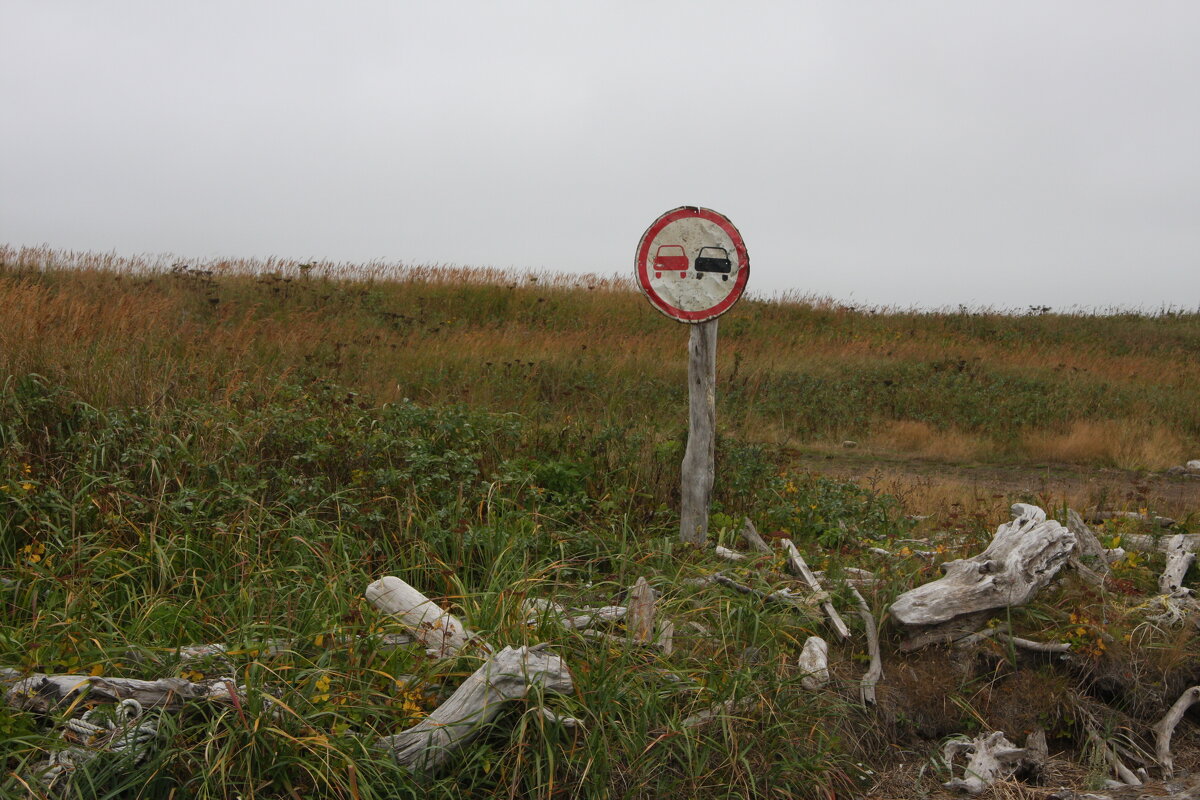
915	153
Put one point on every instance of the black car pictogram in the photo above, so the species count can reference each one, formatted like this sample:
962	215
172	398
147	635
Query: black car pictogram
714	259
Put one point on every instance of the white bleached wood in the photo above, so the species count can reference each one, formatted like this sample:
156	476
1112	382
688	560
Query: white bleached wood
508	675
727	554
570	723
716	711
990	757
1164	729
586	617
538	610
665	638
780	596
1023	557
1152	544
866	689
800	569
1025	512
851	576
814	663
750	534
43	693
439	630
1127	776
1179	558
1087	543
698	468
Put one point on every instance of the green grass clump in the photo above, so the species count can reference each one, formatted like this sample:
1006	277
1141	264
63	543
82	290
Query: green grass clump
126	533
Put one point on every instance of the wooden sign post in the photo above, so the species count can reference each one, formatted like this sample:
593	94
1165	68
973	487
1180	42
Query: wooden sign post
692	266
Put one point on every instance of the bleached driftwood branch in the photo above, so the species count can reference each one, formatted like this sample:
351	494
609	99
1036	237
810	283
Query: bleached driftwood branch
1104	516
750	534
440	631
728	555
799	568
874	674
42	693
538	610
1164	729
1023	557
1087	544
507	676
191	653
1127	776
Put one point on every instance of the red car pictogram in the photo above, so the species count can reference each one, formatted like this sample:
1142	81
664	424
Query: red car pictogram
670	258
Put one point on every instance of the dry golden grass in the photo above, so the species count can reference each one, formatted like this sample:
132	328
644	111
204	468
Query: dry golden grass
915	438
1128	444
795	371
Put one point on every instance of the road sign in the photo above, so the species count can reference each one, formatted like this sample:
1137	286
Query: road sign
692	264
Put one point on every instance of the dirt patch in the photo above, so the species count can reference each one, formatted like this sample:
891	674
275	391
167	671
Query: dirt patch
926	485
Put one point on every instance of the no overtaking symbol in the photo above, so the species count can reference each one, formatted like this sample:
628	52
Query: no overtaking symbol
692	264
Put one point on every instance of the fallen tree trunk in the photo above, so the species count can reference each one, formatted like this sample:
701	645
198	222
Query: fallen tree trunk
1023	557
507	676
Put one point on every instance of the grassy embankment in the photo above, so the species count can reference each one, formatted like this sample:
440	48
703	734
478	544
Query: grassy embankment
191	458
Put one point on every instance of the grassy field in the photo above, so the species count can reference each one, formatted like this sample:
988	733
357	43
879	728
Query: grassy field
1104	389
230	452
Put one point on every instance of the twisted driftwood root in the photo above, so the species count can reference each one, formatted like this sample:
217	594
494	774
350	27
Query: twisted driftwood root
509	675
990	757
1022	558
1164	729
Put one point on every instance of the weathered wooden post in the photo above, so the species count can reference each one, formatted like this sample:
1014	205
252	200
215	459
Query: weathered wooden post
699	470
692	266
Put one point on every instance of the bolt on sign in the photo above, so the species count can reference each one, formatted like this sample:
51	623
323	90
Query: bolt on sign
692	264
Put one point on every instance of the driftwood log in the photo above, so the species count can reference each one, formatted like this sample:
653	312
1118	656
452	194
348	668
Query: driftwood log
44	693
1023	557
507	676
440	631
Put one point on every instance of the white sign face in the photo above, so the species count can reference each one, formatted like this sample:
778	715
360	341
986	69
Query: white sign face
692	264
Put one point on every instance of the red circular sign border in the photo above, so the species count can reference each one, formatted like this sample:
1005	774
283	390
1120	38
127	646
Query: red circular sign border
643	275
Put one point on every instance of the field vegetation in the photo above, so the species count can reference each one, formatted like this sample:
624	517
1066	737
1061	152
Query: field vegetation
230	452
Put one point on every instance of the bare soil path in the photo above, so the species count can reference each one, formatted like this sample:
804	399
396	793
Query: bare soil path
925	485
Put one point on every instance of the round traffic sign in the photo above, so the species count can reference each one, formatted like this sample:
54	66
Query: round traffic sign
692	264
